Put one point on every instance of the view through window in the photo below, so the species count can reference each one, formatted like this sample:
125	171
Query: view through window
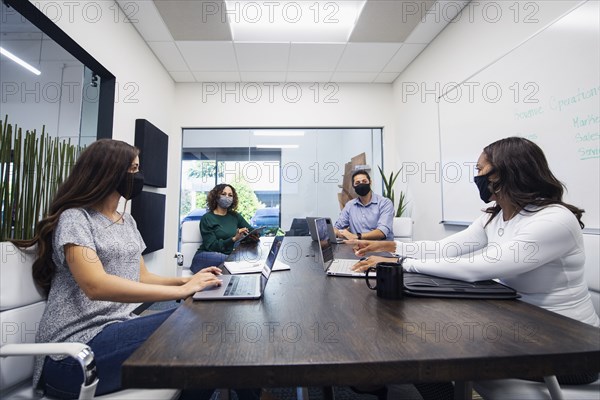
279	174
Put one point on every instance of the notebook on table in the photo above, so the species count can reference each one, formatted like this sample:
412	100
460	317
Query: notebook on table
243	287
333	266
422	285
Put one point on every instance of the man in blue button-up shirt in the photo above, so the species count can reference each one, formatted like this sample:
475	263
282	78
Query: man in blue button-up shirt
369	216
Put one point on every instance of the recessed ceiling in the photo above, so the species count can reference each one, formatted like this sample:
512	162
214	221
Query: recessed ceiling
194	42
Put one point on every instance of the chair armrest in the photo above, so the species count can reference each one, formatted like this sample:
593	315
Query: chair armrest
79	351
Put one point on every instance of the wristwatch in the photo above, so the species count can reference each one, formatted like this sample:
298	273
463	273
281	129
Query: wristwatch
359	235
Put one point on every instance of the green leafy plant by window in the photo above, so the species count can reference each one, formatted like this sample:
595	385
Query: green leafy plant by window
388	191
32	167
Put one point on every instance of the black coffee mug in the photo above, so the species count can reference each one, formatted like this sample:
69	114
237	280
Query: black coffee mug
389	280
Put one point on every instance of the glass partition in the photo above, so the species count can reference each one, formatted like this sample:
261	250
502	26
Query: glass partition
293	173
51	84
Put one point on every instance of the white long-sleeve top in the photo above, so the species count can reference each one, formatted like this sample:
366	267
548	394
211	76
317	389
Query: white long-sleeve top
541	255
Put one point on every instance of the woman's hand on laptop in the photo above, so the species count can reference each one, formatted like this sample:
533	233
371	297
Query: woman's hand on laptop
362	247
367	262
212	270
199	281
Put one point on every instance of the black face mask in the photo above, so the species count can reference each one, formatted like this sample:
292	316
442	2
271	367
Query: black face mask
362	189
131	185
483	184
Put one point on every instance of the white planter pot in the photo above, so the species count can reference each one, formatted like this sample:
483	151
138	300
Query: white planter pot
16	282
403	228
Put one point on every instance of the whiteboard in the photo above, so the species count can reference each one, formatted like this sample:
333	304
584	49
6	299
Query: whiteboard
547	89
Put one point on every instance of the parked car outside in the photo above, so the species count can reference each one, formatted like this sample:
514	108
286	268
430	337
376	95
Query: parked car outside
268	216
194	215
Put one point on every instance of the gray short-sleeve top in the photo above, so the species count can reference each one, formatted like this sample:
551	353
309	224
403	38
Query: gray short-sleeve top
70	316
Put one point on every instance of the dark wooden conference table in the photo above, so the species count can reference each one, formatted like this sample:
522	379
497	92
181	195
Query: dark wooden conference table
313	330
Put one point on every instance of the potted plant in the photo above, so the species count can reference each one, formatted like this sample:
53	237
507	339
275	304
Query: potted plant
402	224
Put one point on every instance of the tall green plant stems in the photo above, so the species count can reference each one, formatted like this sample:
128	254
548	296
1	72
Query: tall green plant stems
388	191
32	167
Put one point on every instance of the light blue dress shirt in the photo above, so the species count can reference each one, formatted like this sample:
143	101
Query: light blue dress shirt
377	214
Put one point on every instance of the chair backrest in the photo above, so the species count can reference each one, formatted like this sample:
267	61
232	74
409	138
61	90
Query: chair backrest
190	241
403	229
21	307
592	272
299	227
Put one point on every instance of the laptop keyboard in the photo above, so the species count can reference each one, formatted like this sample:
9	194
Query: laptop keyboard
342	266
241	285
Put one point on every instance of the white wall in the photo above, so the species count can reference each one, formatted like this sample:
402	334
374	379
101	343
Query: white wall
461	49
144	89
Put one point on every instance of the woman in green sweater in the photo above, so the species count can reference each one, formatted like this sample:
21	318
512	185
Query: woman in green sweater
220	228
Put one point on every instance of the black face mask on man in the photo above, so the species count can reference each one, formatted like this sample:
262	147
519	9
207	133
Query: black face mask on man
483	184
131	185
362	189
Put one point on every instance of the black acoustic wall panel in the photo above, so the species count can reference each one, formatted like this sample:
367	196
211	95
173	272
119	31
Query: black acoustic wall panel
154	150
148	210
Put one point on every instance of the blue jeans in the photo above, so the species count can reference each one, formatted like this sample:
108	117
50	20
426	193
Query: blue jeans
203	259
112	346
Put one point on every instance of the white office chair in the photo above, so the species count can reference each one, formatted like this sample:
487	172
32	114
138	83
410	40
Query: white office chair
522	389
190	242
21	308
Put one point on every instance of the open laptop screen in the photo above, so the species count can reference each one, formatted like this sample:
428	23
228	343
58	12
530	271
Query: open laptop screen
323	239
266	272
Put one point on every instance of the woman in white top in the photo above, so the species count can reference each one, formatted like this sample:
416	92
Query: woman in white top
528	238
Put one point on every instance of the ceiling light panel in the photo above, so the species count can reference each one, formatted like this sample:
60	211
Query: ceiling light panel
293	21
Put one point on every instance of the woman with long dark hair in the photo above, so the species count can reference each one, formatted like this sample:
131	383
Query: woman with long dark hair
89	263
221	227
529	238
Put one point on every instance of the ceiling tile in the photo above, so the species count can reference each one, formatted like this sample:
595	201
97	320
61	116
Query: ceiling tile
315	56
293	76
216	76
386	77
263	76
262	56
389	20
358	77
403	57
208	56
367	57
435	21
182	76
169	55
195	20
146	19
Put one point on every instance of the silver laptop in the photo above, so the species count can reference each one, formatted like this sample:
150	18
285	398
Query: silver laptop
243	287
333	266
331	233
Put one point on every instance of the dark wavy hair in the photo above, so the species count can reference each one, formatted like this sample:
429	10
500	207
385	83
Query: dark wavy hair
213	197
96	174
524	177
360	172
